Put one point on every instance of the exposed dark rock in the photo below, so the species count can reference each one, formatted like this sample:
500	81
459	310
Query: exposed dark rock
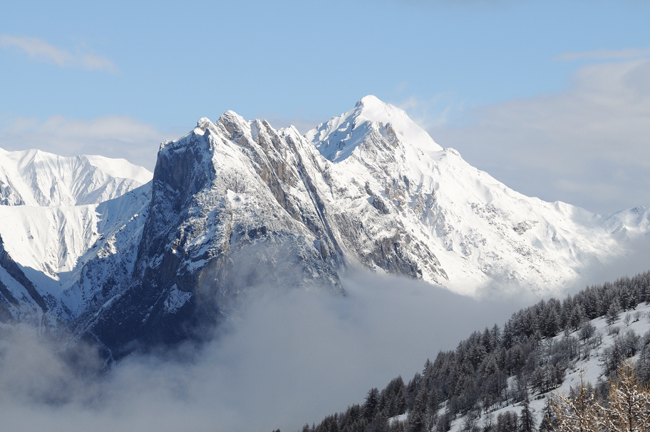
380	205
15	272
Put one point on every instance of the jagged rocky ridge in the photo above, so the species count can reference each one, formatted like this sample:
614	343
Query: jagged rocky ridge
236	204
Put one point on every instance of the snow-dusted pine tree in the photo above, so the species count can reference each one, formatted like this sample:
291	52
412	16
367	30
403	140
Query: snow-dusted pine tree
527	417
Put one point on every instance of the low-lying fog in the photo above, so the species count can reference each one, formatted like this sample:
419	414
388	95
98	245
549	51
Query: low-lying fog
287	359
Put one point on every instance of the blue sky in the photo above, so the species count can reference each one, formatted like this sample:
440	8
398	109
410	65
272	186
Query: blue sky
551	97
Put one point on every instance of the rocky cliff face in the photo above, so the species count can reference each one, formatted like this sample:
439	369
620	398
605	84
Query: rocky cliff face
20	301
233	206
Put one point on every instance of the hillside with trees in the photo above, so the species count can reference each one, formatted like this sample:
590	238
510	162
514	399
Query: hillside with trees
505	378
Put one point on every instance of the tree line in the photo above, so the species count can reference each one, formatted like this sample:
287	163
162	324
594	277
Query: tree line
501	366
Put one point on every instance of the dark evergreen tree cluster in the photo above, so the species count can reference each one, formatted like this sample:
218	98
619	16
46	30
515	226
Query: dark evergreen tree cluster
473	380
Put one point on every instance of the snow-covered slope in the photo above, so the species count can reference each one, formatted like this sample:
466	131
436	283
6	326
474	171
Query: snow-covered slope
588	369
478	229
57	215
37	178
54	246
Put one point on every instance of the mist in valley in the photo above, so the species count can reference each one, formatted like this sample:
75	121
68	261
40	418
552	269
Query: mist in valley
287	357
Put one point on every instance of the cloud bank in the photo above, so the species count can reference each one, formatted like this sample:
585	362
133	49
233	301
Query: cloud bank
40	50
587	145
287	359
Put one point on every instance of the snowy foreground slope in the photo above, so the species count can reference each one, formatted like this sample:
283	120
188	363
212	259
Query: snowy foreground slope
588	366
236	203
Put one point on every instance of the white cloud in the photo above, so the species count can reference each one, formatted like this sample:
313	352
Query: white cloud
588	145
288	358
111	136
40	50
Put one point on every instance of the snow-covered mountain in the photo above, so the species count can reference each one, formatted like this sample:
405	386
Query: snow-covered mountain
57	214
38	178
237	203
392	179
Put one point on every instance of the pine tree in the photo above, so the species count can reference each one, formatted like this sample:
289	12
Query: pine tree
444	422
549	421
507	422
642	368
417	417
552	324
577	317
612	312
527	419
370	407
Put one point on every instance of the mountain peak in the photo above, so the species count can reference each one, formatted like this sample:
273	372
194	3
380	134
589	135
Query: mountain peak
203	122
369	101
338	138
374	109
236	204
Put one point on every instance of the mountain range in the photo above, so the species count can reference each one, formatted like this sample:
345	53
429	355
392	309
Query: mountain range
127	258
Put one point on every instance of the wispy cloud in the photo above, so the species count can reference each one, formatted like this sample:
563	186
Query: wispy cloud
111	136
40	50
432	112
629	53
